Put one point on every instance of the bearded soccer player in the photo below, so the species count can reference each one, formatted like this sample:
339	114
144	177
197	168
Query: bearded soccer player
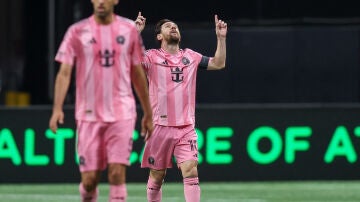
171	73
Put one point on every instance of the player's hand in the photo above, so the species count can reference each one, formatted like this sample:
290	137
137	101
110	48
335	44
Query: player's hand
147	127
140	22
57	117
220	27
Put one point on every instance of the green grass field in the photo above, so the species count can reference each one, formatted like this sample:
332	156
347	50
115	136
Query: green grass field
309	191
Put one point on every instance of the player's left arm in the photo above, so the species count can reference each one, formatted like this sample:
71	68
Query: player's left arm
218	61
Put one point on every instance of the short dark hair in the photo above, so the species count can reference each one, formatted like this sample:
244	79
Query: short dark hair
158	26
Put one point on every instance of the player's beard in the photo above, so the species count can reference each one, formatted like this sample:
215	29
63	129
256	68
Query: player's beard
103	14
172	40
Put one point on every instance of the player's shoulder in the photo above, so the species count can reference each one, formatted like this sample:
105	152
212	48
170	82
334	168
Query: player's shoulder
191	53
82	22
188	50
125	21
152	51
79	25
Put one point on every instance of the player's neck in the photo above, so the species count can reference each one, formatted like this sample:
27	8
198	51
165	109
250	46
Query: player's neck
171	48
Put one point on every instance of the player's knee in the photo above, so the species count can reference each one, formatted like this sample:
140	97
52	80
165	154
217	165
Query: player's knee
90	180
190	172
116	175
89	184
157	175
189	169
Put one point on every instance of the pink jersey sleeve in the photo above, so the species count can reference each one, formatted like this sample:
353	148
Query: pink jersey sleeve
66	53
138	48
146	60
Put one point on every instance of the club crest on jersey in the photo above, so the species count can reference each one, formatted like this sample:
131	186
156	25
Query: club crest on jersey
185	61
120	39
177	75
107	58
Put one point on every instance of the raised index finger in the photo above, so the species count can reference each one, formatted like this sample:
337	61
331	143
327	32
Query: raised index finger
139	14
216	19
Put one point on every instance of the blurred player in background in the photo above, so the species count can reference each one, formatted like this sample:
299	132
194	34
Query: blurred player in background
107	51
171	73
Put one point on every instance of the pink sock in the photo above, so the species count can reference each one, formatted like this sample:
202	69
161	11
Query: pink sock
192	189
154	193
88	196
118	193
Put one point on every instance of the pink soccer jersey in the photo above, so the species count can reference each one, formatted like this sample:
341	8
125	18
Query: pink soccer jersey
103	65
172	85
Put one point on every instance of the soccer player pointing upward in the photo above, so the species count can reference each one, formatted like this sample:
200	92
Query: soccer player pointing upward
171	73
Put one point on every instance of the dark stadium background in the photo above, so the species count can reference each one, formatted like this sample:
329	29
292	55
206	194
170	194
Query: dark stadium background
279	51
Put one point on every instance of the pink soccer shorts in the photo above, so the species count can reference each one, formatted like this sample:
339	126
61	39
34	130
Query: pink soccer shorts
100	143
169	141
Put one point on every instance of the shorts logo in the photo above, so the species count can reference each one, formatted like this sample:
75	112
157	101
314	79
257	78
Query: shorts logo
81	160
151	160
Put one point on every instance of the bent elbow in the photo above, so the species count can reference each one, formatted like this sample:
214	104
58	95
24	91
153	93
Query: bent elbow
222	66
217	65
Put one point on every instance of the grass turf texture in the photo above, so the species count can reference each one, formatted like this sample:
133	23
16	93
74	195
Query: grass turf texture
294	191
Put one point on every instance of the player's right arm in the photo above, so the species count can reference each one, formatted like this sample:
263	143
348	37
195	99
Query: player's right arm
140	22
62	83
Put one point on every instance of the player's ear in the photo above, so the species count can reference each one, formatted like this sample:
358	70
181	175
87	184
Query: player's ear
159	37
116	2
